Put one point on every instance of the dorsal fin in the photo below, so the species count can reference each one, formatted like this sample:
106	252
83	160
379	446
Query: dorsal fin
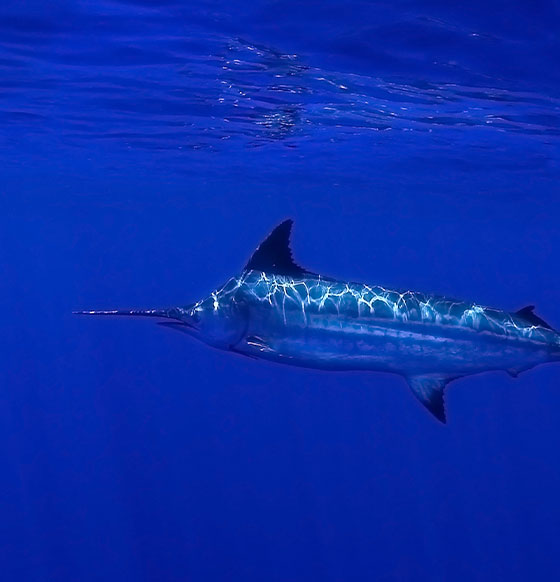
274	255
528	315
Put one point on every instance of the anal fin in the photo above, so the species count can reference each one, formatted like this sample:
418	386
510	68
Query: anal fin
429	389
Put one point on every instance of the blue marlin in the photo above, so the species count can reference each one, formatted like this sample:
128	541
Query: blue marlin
276	310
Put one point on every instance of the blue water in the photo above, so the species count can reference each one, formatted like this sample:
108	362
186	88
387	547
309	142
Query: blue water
146	148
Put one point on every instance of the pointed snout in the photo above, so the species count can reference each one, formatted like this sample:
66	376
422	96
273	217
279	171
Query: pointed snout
172	313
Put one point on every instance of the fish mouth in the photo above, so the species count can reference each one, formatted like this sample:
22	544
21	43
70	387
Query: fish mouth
178	326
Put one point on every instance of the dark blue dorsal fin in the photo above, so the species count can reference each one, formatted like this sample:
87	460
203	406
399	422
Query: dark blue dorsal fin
274	255
527	313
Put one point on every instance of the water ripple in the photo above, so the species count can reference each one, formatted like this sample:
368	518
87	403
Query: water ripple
171	90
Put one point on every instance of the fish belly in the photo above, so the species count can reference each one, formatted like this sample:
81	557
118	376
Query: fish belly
393	347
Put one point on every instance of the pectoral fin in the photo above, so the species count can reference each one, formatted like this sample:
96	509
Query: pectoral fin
429	390
258	343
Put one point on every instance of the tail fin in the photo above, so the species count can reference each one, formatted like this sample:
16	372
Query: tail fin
168	313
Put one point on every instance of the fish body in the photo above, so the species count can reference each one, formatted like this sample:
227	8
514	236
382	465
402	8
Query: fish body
277	311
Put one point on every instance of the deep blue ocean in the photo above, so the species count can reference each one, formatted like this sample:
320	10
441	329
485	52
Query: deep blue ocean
146	148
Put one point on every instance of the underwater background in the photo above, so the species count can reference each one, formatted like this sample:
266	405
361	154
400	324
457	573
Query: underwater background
146	148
